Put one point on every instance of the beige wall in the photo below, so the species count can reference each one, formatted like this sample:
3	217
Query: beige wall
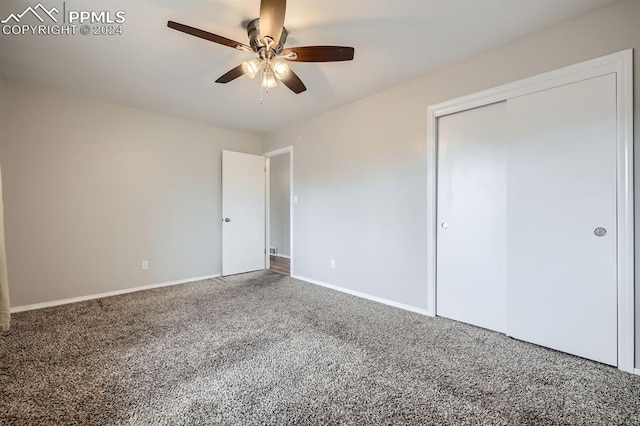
360	171
91	189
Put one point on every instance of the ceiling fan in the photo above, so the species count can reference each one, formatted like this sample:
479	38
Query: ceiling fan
267	37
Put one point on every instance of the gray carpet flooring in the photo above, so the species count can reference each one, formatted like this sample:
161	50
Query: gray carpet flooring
266	349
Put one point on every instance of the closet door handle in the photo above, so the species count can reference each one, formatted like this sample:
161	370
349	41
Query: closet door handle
600	232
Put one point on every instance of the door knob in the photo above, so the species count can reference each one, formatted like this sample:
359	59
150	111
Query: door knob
226	219
444	225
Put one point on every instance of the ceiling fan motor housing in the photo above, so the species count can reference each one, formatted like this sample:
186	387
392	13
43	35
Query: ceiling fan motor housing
258	44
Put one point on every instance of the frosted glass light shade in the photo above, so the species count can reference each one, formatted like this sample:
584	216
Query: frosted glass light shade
281	70
252	67
268	79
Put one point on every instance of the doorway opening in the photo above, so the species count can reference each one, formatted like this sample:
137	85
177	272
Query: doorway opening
279	226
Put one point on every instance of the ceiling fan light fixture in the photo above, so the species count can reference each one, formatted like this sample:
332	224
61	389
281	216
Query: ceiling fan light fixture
269	79
252	67
281	70
267	39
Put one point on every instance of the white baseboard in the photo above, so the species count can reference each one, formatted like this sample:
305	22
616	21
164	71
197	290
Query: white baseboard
107	294
636	371
282	255
363	295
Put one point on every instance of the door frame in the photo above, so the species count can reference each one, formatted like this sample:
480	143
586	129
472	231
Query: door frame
620	63
268	156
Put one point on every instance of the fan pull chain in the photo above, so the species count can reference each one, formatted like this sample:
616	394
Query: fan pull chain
261	90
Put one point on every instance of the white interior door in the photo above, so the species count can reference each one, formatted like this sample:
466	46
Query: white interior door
561	176
471	240
243	212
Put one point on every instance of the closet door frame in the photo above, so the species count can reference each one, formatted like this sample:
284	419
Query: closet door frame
621	64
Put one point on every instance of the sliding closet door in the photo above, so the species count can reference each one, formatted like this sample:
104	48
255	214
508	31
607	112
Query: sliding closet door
471	217
561	219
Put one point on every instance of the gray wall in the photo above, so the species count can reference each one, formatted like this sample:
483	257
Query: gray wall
91	189
360	171
279	208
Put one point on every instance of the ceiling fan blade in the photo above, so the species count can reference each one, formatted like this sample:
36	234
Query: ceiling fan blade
318	54
272	18
293	82
208	36
231	75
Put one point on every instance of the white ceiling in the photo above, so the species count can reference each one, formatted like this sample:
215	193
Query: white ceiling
155	68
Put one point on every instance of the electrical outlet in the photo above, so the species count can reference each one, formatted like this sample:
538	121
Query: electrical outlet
333	264
145	265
